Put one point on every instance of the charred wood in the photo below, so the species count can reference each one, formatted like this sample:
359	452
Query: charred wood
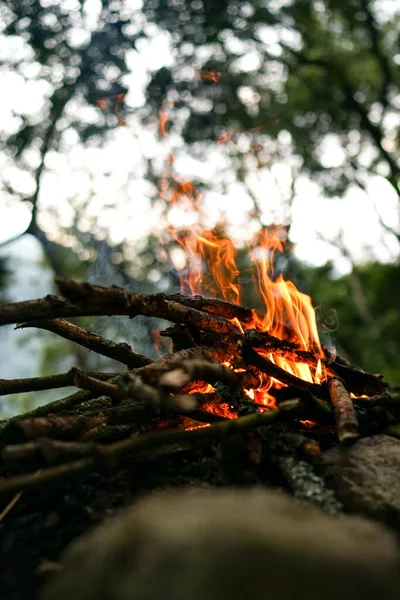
272	370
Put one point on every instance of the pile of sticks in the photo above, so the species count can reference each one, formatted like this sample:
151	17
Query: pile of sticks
159	403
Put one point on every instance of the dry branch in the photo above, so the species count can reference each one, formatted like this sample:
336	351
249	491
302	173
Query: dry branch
51	451
158	305
120	352
384	400
108	456
346	418
57	427
96	386
37	384
214	306
83	299
357	381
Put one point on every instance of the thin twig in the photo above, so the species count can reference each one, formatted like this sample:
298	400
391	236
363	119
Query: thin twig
51	382
96	386
10	505
122	352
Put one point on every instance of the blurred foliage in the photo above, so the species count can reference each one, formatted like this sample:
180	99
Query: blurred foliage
4	273
371	340
314	69
313	84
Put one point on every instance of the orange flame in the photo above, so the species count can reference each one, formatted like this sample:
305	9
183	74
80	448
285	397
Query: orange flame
223	138
162	123
157	340
174	189
219	255
119	98
210	76
287	313
106	103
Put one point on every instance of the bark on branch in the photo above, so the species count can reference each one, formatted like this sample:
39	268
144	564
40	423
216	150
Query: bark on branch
346	418
83	299
37	384
120	352
109	456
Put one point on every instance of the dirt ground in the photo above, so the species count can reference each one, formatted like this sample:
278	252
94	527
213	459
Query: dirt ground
43	521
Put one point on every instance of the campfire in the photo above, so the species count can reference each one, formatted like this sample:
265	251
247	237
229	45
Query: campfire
232	368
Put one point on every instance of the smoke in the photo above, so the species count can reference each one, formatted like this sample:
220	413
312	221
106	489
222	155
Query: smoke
136	332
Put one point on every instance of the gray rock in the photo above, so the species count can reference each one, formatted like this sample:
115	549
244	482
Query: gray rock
229	545
366	477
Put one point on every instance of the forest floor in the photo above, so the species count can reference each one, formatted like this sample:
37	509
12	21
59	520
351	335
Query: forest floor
43	521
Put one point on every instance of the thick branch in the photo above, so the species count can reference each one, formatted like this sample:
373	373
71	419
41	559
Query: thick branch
84	299
357	381
346	418
109	456
158	305
215	306
120	352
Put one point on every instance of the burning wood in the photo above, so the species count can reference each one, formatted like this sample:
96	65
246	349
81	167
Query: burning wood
231	369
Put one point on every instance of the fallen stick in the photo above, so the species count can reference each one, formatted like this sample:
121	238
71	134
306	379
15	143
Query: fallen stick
83	299
346	418
385	399
108	456
121	352
56	407
63	428
38	384
51	451
151	402
96	386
